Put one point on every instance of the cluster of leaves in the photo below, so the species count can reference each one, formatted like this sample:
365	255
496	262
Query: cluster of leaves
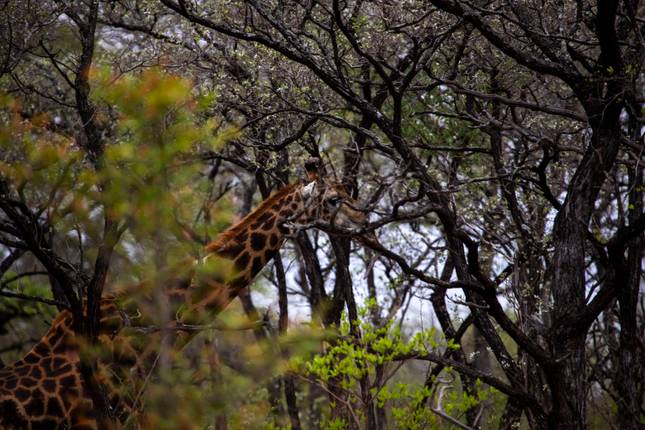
148	174
36	162
377	358
153	180
148	181
40	169
151	172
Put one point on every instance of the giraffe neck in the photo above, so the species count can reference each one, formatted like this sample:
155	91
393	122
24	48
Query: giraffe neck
58	341
46	385
245	249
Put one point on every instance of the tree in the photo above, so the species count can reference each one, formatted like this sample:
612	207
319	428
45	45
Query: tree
499	145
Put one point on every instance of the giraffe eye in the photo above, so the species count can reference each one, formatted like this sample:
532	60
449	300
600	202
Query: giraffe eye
334	201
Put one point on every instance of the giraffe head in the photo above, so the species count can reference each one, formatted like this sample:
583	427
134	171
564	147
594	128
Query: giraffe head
327	201
261	233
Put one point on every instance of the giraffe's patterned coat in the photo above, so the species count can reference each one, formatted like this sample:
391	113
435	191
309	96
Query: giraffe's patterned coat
44	390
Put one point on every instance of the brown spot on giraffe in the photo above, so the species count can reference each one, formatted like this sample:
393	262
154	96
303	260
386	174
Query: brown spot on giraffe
273	241
45	389
258	241
242	261
257	265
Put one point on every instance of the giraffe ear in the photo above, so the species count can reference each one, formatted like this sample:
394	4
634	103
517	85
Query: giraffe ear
312	167
308	191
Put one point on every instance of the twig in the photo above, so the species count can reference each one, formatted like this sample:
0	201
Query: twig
20	296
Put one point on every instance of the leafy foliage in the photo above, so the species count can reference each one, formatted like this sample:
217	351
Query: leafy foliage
498	151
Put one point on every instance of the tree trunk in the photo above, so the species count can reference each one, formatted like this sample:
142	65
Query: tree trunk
511	416
629	372
568	386
567	376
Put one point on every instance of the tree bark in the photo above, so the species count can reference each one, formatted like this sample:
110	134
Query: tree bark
629	373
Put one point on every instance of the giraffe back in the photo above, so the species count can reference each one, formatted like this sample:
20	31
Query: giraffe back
45	389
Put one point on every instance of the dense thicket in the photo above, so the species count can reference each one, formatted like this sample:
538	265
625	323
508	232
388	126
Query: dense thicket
497	145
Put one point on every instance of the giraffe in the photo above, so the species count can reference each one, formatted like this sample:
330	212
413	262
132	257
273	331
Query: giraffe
45	388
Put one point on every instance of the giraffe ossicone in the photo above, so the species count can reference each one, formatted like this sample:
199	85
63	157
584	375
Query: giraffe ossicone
45	389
